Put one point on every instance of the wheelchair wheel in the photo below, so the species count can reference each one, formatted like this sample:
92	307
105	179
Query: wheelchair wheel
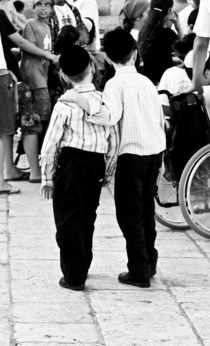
194	192
167	209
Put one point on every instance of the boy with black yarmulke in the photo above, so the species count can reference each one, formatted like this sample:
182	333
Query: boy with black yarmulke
73	168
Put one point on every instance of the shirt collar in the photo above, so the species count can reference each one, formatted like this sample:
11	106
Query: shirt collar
85	87
126	69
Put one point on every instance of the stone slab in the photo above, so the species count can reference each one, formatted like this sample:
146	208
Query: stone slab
199	314
4	333
177	248
185	272
70	312
3	253
29	225
191	294
55	333
142	317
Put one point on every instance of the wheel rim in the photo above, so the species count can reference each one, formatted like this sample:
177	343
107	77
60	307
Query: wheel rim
198	194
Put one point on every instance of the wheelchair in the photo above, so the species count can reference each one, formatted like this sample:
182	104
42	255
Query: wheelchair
183	199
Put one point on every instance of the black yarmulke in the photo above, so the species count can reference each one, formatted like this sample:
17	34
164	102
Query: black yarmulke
74	60
118	43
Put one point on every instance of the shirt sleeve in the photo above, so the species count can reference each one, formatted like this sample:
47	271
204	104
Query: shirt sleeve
202	24
110	110
6	26
51	145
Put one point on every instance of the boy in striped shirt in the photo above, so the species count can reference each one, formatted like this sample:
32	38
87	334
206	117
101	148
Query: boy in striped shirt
77	157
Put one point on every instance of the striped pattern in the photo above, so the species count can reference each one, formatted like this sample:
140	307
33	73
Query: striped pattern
68	128
132	100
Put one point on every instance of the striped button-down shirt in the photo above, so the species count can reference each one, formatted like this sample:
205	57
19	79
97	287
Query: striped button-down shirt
132	100
68	128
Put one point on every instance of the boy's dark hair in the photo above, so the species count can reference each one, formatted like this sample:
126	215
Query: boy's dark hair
68	36
19	5
74	62
119	45
185	45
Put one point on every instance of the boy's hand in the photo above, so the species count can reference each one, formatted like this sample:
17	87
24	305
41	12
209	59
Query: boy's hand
47	192
70	96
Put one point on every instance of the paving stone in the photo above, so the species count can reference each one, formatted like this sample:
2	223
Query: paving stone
3	228
177	248
109	243
3	204
72	312
182	272
3	217
191	294
198	314
4	293
126	318
4	333
60	332
29	225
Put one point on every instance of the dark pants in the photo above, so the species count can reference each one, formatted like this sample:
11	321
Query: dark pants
77	187
135	182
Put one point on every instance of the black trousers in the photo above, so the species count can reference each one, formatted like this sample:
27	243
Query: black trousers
77	187
135	182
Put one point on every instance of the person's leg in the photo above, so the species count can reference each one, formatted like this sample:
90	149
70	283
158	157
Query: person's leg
149	210
30	144
4	186
10	170
129	179
70	182
92	196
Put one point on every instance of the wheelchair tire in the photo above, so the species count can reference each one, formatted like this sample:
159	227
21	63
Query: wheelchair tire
194	192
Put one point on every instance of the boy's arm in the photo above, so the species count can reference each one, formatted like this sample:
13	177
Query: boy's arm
112	153
107	112
51	145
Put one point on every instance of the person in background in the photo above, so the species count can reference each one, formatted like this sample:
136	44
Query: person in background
20	6
89	8
201	45
34	72
63	14
8	33
156	39
76	158
12	14
184	15
134	13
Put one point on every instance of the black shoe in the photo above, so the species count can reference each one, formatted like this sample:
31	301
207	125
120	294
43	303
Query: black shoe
64	284
124	278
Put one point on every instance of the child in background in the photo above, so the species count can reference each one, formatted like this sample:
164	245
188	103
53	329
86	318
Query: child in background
73	168
132	100
34	72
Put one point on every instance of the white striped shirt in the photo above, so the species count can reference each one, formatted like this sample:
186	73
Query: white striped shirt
132	100
68	128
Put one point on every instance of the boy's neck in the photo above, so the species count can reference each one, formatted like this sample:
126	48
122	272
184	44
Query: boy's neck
118	66
42	20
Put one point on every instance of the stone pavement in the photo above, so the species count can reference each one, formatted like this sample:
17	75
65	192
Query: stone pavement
35	311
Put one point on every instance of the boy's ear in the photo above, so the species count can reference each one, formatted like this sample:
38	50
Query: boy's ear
108	60
65	77
92	67
207	74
